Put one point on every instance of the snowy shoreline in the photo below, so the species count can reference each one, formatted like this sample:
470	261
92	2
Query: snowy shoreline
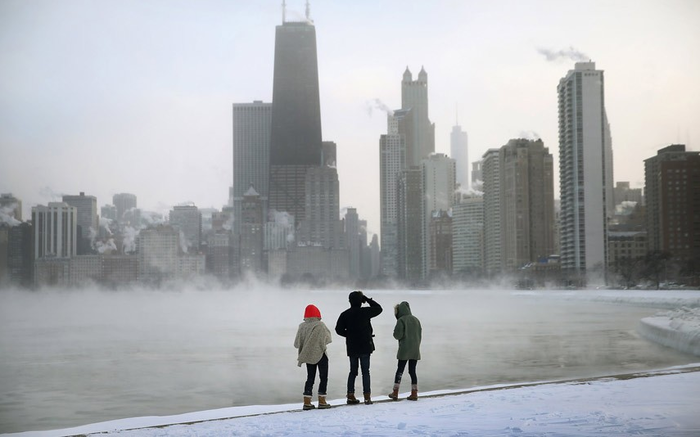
659	402
678	329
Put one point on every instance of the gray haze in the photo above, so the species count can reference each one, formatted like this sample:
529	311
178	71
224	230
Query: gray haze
135	96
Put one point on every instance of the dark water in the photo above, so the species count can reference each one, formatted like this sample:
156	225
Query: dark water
71	358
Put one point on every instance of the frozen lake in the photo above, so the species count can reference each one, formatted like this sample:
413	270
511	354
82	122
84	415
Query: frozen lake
73	357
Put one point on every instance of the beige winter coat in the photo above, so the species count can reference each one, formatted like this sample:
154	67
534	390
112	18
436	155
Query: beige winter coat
311	340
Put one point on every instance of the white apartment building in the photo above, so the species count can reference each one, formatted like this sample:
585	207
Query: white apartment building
585	171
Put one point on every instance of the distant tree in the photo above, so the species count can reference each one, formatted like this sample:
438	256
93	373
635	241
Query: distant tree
655	264
628	269
690	271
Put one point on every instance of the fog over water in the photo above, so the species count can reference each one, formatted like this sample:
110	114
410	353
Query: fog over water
74	357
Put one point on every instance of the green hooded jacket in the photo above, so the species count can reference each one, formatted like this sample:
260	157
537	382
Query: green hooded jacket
408	332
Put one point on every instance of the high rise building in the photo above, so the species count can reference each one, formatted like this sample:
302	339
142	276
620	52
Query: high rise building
188	220
491	171
468	234
158	254
438	194
410	225
108	212
119	270
623	193
218	255
124	202
55	230
375	256
625	246
88	220
414	97
365	252
322	209
477	175
295	134
460	153
672	191
251	236
392	161
585	171
527	203
20	254
352	230
251	154
440	255
330	154
4	240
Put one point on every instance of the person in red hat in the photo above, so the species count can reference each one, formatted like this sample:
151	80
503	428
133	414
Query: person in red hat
312	338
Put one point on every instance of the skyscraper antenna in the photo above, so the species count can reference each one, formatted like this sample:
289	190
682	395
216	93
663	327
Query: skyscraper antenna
308	11
457	114
284	11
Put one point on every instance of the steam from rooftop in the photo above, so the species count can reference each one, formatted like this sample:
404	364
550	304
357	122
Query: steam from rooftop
569	54
7	215
529	135
373	104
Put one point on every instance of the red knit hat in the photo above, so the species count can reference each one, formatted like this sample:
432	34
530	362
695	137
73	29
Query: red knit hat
312	311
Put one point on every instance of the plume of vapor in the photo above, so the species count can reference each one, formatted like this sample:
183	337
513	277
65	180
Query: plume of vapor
105	246
529	135
373	104
152	218
570	54
470	191
129	239
626	207
7	215
282	218
51	195
105	224
228	225
184	242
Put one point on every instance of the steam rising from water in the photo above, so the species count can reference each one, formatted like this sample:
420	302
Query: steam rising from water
81	356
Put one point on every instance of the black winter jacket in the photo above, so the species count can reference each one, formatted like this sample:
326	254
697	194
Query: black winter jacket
354	324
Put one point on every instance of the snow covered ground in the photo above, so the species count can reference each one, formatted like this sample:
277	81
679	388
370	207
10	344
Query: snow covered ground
659	403
679	329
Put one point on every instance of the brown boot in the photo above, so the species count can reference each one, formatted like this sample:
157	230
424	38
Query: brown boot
414	393
395	393
368	399
352	400
307	403
322	405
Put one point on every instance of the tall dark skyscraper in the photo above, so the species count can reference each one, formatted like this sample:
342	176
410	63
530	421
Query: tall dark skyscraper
295	135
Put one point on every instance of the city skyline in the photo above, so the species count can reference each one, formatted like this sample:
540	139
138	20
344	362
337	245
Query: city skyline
145	107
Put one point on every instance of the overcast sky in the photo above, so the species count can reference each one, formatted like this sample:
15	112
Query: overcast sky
135	96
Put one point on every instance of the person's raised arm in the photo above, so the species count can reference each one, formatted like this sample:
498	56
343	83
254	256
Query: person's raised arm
375	308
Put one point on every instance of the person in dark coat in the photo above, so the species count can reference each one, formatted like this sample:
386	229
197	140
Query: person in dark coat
354	324
409	333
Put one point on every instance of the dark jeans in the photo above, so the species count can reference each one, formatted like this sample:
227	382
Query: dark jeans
311	377
411	371
355	362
